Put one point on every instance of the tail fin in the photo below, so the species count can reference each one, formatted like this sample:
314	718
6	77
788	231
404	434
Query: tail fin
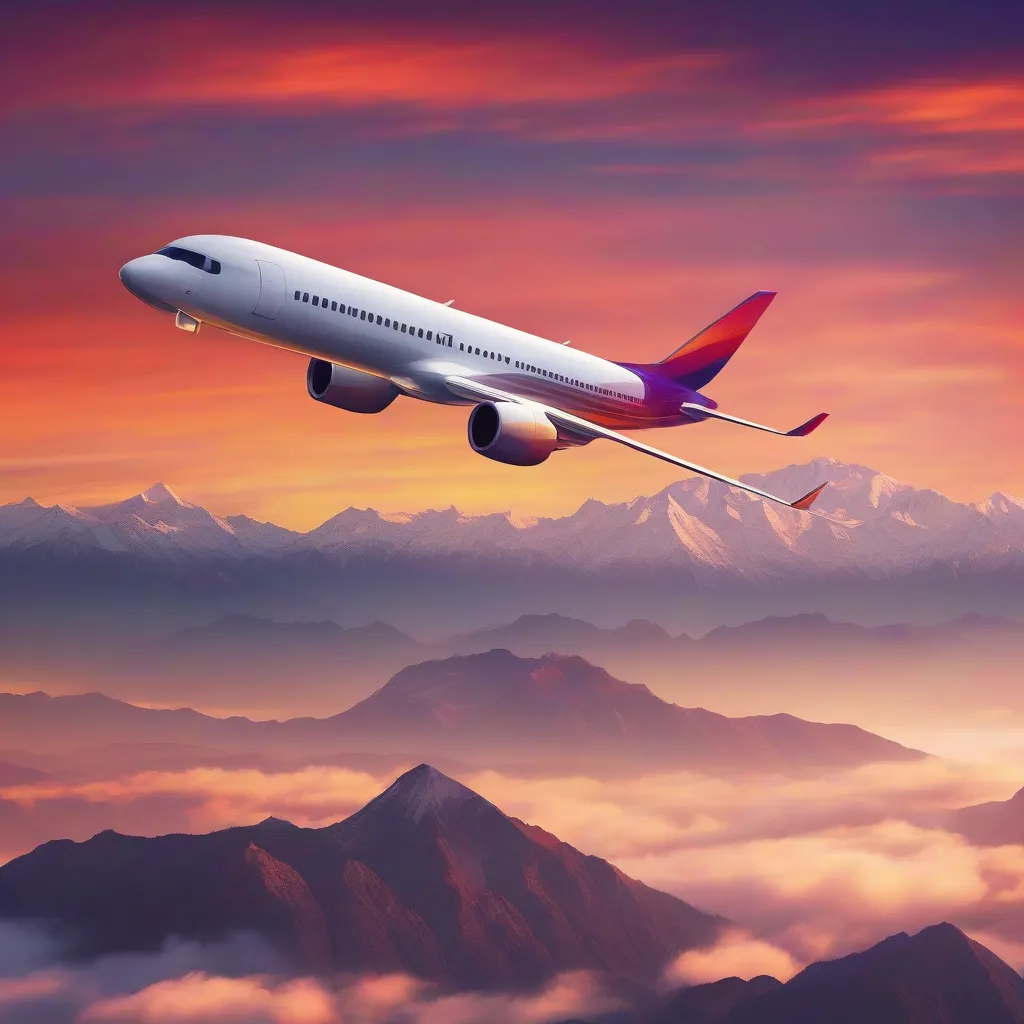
701	359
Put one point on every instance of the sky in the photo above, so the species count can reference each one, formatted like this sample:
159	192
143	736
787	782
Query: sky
616	175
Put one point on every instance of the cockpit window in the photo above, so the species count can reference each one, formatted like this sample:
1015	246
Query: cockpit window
193	259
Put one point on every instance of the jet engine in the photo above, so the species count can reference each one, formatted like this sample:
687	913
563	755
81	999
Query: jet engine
345	388
515	434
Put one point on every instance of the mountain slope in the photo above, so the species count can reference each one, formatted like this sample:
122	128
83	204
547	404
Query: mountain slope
428	878
937	975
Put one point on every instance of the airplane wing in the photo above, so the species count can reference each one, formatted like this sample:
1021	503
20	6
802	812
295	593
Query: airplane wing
700	412
584	429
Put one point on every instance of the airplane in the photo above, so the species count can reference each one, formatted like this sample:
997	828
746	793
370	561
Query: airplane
369	343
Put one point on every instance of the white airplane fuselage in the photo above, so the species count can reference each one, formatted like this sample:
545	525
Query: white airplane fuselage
267	295
369	342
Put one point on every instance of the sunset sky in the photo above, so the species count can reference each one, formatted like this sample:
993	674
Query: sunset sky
606	173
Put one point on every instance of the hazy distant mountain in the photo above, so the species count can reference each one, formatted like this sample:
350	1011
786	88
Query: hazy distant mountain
428	878
18	775
995	823
937	975
563	710
492	709
692	556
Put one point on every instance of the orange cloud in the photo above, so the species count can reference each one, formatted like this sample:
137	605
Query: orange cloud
442	74
939	106
737	954
198	998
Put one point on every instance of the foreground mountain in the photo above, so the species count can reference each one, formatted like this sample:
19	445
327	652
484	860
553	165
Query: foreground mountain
938	976
691	557
428	878
493	710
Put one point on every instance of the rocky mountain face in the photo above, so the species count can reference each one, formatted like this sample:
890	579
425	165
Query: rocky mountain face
428	878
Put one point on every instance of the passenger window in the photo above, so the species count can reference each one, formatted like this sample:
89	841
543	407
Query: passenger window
462	347
387	322
316	300
476	352
362	314
298	295
334	306
394	325
305	296
429	335
420	332
380	319
403	328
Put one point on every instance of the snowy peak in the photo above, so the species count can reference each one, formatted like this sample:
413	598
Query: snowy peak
424	790
160	494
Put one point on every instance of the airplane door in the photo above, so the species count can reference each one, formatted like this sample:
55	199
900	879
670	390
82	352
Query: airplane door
272	290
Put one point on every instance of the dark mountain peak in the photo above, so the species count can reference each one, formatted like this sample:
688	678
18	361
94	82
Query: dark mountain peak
271	822
712	1003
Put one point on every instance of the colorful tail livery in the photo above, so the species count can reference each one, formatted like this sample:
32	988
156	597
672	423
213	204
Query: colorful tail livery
698	361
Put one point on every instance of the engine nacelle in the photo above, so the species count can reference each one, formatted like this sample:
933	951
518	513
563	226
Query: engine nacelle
515	434
349	389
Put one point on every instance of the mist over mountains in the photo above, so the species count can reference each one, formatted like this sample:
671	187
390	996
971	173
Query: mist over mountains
691	557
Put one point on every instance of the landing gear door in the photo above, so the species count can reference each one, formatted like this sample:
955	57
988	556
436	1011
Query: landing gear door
272	290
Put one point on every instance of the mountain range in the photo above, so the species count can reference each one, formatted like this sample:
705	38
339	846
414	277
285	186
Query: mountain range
495	709
693	556
428	879
805	664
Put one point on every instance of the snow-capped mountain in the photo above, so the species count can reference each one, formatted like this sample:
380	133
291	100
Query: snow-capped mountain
693	556
876	525
156	522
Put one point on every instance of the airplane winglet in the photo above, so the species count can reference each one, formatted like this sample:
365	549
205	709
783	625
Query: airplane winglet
809	498
806	428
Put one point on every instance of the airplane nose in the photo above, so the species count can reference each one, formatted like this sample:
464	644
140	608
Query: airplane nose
145	278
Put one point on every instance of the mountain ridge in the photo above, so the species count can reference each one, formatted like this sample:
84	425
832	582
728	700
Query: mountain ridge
492	709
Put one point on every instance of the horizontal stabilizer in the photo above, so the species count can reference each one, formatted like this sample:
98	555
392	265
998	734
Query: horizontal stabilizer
806	428
701	412
809	498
